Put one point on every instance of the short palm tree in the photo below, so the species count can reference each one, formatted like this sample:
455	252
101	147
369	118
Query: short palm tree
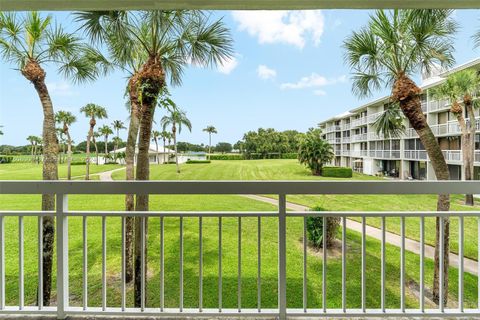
211	130
461	87
31	42
66	118
117	126
33	145
155	135
165	135
105	131
387	52
314	152
92	112
176	119
153	45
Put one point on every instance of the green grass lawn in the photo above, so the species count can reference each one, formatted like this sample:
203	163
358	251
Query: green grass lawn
235	170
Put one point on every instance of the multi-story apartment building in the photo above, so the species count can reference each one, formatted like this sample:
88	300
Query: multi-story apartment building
357	145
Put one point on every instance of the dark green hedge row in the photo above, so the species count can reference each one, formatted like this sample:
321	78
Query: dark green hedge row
226	156
197	161
253	156
337	172
6	159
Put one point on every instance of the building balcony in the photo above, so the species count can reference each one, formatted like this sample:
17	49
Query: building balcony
359	122
415	155
345	139
373	117
384	154
359	137
438	105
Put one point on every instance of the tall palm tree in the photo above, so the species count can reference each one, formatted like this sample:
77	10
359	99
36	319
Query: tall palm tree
117	126
387	52
66	118
61	143
155	135
96	135
176	119
461	87
158	44
30	42
105	131
92	112
165	135
211	130
33	145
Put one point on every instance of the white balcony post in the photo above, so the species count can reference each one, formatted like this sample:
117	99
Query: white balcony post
62	255
282	259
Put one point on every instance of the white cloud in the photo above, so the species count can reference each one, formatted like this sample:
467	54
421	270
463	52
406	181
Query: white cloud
314	81
265	72
60	89
228	65
288	27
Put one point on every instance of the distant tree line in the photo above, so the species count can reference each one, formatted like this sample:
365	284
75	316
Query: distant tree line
79	148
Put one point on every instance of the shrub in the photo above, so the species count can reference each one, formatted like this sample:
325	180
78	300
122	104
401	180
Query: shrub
315	229
78	163
289	155
197	161
227	156
6	159
314	152
337	172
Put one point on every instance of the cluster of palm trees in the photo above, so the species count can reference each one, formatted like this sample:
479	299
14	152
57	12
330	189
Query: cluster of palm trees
35	147
151	47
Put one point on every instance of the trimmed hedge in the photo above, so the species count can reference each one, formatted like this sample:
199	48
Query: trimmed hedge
226	156
197	161
6	159
337	172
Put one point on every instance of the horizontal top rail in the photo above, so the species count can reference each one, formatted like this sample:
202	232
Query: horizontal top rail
240	187
21	5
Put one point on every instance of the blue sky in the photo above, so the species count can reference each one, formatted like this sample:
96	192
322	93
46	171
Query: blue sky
287	73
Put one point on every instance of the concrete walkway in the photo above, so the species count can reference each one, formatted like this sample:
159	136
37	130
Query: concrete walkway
470	265
107	175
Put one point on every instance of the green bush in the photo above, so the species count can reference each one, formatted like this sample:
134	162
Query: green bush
289	155
226	156
78	163
315	229
197	161
6	159
337	172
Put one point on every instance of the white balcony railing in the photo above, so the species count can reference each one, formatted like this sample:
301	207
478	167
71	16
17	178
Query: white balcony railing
346	126
415	154
452	155
359	122
346	153
373	117
280	220
436	105
346	139
359	153
385	154
359	137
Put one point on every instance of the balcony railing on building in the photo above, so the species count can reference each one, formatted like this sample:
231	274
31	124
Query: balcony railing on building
359	122
385	154
359	137
415	154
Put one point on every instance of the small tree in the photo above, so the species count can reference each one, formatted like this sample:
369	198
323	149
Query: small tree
315	229
314	152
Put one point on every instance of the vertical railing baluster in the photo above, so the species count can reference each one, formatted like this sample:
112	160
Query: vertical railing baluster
344	264
478	262
382	279
162	265
40	262
460	263
219	264
441	264
324	265
259	264
104	263
363	264
305	244
422	264
282	259
239	267
402	264
2	262
124	266
143	263
21	294
200	264
181	264
62	255
85	264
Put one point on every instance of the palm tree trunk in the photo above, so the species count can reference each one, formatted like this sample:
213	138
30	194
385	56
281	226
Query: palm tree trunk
130	175
50	172
407	93
69	157
175	146
33	157
471	145
87	157
209	145
106	147
466	150
96	149
156	146
163	151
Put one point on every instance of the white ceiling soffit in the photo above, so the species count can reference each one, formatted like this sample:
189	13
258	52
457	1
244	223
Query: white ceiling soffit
66	5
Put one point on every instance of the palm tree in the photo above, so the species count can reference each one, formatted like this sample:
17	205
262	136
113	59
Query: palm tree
176	119
31	42
462	86
117	126
66	118
211	130
33	145
92	112
386	53
105	131
153	45
156	134
314	152
96	135
165	135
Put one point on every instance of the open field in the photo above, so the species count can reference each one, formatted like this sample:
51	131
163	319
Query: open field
268	169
